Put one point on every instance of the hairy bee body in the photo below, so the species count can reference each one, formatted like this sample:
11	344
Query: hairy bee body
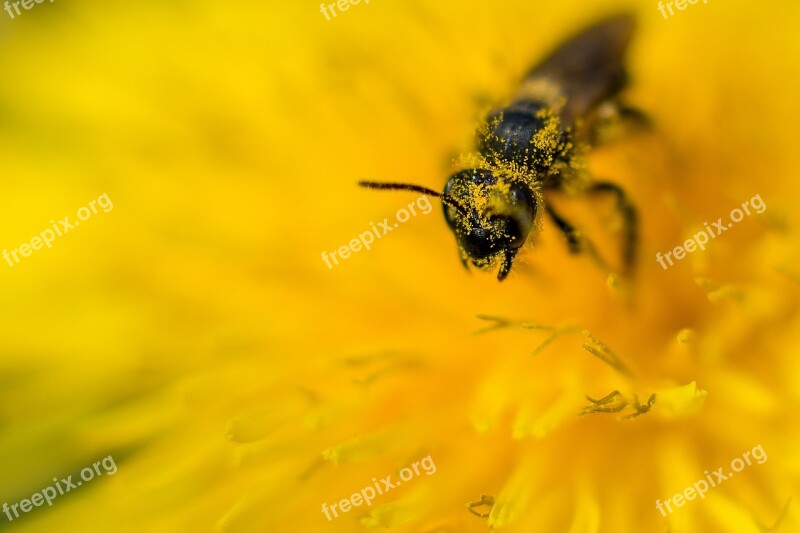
537	130
533	146
526	134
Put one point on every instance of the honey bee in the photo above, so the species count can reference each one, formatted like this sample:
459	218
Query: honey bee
535	146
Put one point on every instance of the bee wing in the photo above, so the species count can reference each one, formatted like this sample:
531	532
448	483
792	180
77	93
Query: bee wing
587	69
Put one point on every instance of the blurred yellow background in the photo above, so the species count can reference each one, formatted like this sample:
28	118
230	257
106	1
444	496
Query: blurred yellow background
194	333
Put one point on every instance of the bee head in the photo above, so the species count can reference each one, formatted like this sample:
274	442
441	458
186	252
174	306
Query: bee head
490	217
495	218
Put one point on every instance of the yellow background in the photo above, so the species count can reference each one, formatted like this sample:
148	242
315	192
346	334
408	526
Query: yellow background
194	333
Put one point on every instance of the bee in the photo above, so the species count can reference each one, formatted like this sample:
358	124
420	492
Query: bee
535	146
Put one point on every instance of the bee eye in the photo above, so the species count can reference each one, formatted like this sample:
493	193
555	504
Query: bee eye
520	217
515	232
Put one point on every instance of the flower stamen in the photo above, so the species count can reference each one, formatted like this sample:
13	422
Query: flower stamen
604	354
484	501
614	402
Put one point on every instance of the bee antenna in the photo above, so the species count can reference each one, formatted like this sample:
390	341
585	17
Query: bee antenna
446	198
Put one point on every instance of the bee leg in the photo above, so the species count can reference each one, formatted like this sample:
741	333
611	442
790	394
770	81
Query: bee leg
508	259
612	118
630	220
576	242
567	229
634	115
